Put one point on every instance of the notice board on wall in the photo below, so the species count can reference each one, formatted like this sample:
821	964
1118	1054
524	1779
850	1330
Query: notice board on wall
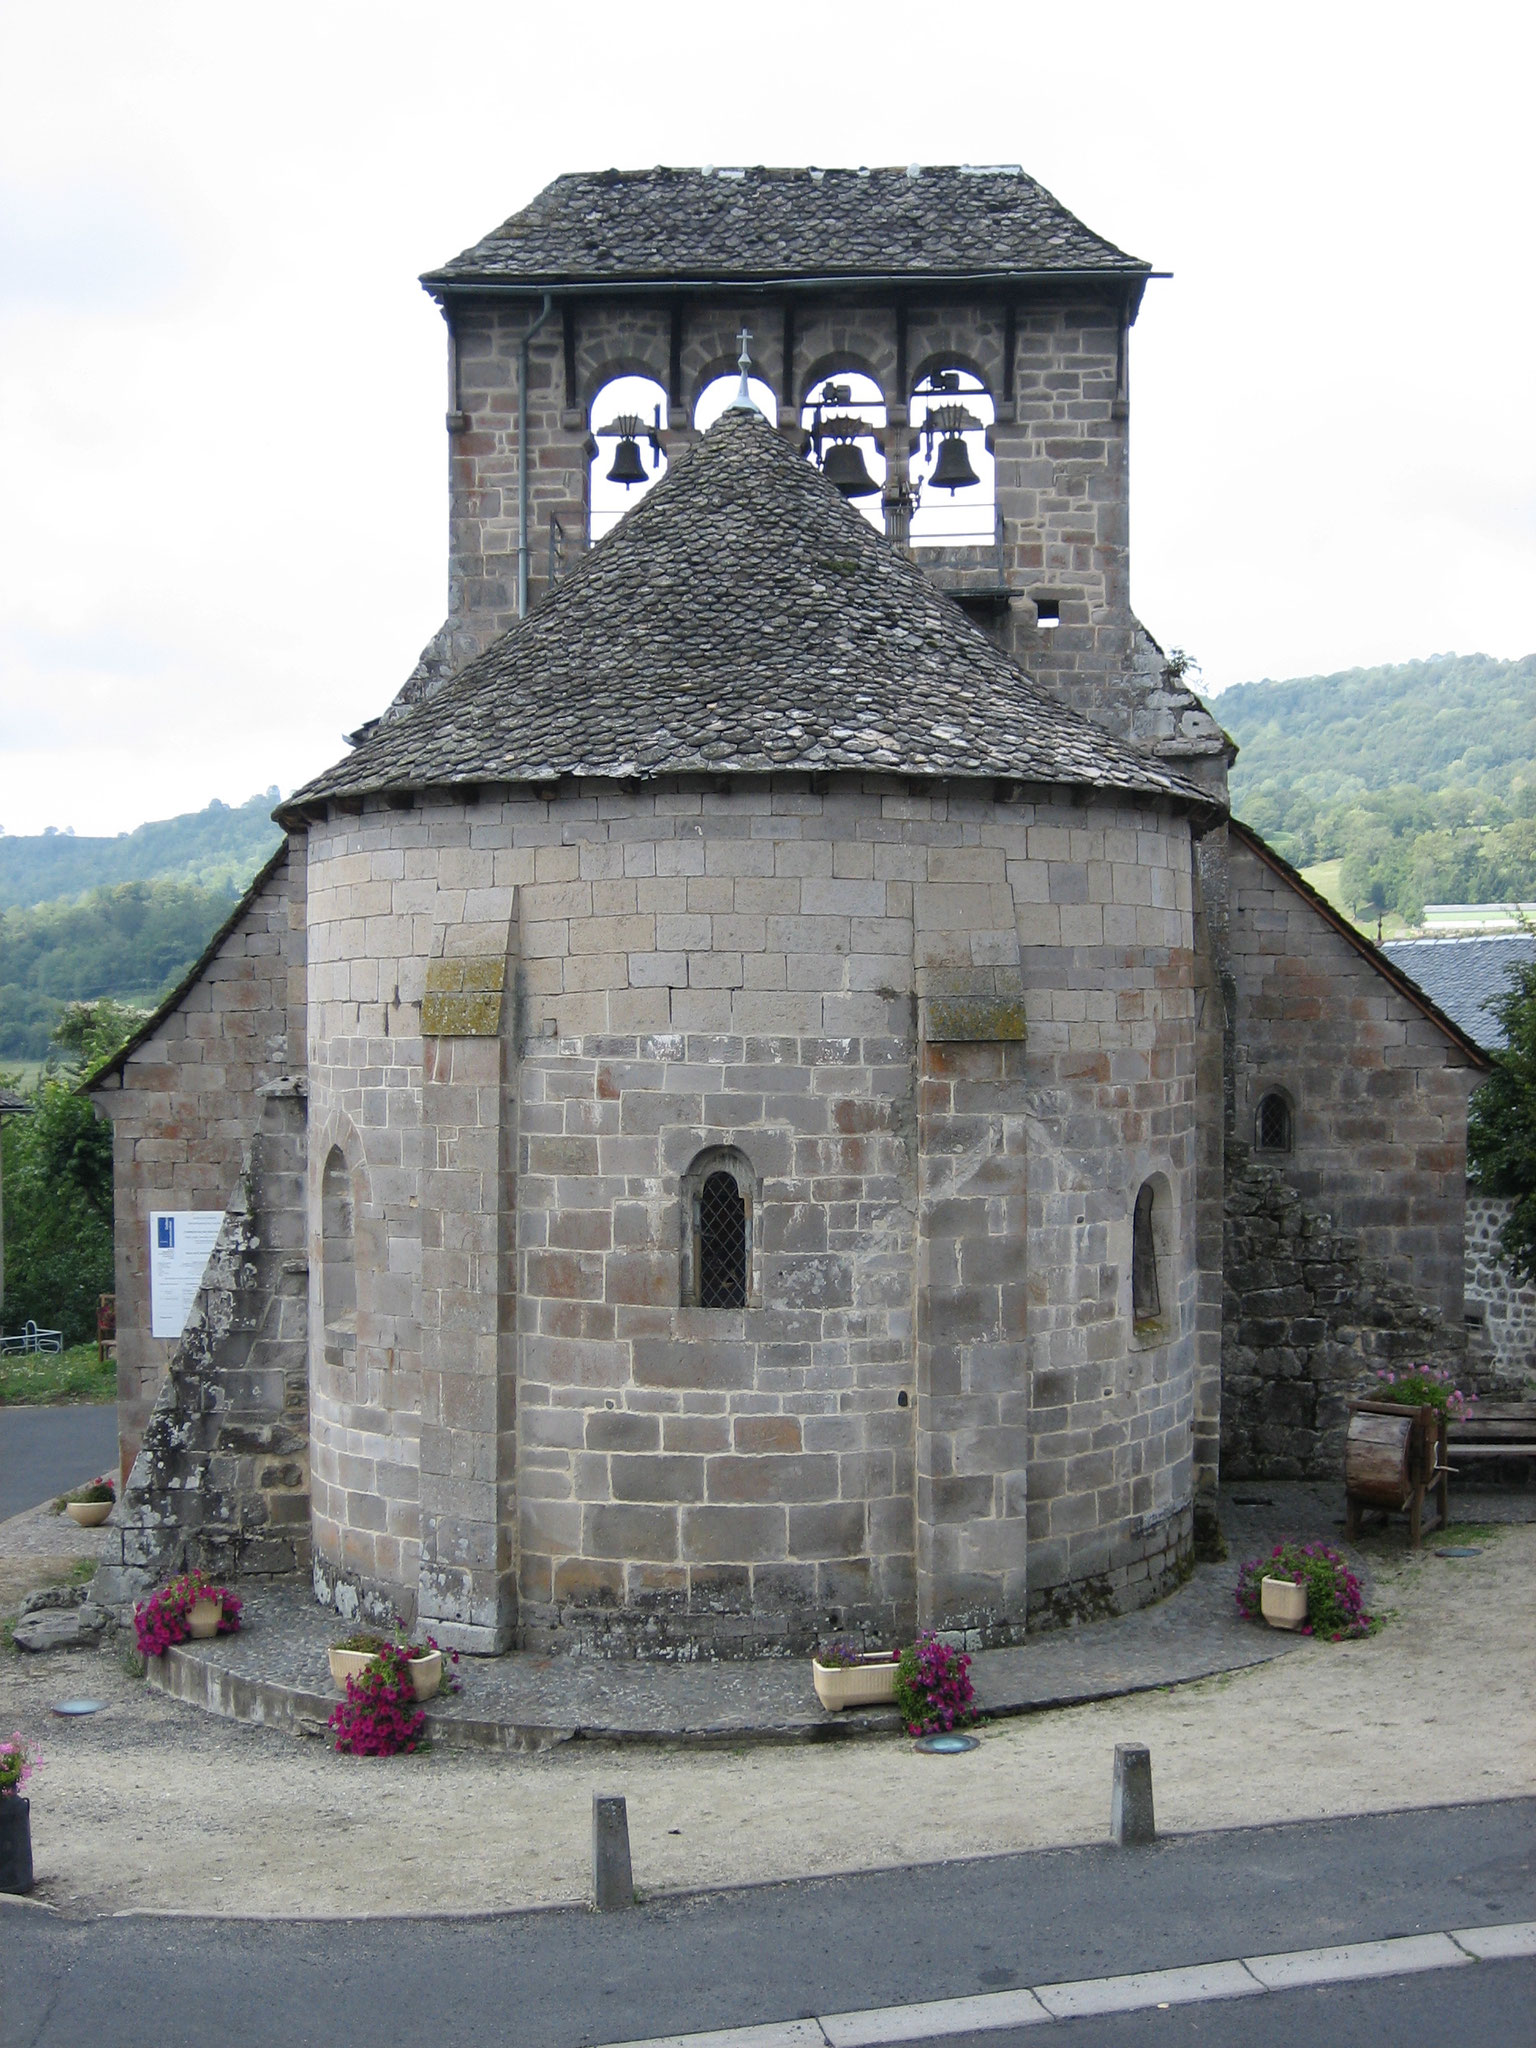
179	1243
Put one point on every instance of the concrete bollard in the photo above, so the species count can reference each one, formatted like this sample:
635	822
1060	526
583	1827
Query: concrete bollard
613	1883
1130	1805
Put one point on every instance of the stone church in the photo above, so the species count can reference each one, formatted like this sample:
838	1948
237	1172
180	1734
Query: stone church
766	1093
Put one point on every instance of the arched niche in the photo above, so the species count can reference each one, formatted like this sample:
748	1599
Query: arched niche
1154	1281
952	416
844	410
641	404
338	1261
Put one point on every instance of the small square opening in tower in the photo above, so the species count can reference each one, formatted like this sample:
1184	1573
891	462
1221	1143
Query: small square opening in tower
1047	613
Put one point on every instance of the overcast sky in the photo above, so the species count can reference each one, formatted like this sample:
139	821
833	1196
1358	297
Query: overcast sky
222	455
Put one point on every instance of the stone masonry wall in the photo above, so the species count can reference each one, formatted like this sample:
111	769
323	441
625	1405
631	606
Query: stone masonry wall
770	966
184	1105
1378	1090
1502	1307
1308	1318
1060	444
221	1477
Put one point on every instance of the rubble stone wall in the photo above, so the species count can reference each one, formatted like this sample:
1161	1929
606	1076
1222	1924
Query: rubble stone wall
1309	1316
221	1477
185	1104
1500	1308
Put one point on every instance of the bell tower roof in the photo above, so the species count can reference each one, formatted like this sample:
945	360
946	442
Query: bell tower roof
674	229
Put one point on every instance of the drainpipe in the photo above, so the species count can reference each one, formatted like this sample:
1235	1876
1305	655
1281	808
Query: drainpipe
522	457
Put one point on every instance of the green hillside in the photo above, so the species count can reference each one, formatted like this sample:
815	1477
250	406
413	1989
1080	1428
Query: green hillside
210	849
1419	778
82	918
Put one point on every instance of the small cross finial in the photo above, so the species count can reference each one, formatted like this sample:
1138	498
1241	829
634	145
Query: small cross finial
744	401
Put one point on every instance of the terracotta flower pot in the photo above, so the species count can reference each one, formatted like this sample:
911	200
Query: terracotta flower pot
90	1514
869	1683
1283	1603
203	1618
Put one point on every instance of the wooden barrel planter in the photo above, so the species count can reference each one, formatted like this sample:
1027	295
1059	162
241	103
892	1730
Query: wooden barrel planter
1393	1457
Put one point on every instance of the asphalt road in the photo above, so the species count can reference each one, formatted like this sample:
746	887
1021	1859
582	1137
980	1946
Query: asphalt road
566	1978
45	1451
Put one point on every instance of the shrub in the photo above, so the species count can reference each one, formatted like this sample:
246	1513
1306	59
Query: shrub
161	1620
83	1496
933	1687
1421	1386
1335	1603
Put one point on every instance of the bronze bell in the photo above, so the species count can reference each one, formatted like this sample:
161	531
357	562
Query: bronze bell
843	465
627	467
953	471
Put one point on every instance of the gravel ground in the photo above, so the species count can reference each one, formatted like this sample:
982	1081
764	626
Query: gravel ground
155	1805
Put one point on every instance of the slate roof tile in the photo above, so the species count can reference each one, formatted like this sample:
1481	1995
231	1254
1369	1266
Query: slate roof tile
742	618
759	224
1463	976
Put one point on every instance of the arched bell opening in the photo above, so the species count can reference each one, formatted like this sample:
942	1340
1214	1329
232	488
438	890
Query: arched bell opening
954	475
844	415
628	415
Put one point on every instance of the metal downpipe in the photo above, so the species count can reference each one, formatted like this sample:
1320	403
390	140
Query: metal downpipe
522	455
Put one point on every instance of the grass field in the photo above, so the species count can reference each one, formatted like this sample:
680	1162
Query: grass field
40	1377
1324	878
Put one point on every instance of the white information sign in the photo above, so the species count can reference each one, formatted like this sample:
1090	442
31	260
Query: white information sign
179	1243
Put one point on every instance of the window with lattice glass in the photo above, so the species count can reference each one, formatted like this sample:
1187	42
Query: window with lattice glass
1272	1124
722	1243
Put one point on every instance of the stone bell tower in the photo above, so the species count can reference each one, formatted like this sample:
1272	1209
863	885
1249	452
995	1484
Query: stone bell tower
904	281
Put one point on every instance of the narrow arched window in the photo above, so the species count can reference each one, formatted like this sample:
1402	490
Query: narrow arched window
1272	1124
1146	1296
722	1244
717	1244
338	1268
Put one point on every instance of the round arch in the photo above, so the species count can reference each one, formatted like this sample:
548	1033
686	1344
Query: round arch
625	465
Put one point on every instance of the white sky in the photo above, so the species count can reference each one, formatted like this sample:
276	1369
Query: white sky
222	456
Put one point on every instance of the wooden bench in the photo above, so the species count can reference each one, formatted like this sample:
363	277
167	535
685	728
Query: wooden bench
1493	1430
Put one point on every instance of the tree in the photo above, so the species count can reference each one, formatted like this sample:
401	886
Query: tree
1501	1124
57	1184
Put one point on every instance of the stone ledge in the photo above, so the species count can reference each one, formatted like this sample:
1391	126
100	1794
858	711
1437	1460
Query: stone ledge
274	1674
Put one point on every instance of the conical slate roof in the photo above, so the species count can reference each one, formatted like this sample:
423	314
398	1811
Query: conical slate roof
742	619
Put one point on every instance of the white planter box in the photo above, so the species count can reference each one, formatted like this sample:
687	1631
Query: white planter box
869	1683
426	1672
1282	1603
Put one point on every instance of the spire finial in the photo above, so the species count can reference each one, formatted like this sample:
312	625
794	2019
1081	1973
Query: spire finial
744	401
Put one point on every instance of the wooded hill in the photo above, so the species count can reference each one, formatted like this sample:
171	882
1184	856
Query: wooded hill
1419	777
82	918
210	849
